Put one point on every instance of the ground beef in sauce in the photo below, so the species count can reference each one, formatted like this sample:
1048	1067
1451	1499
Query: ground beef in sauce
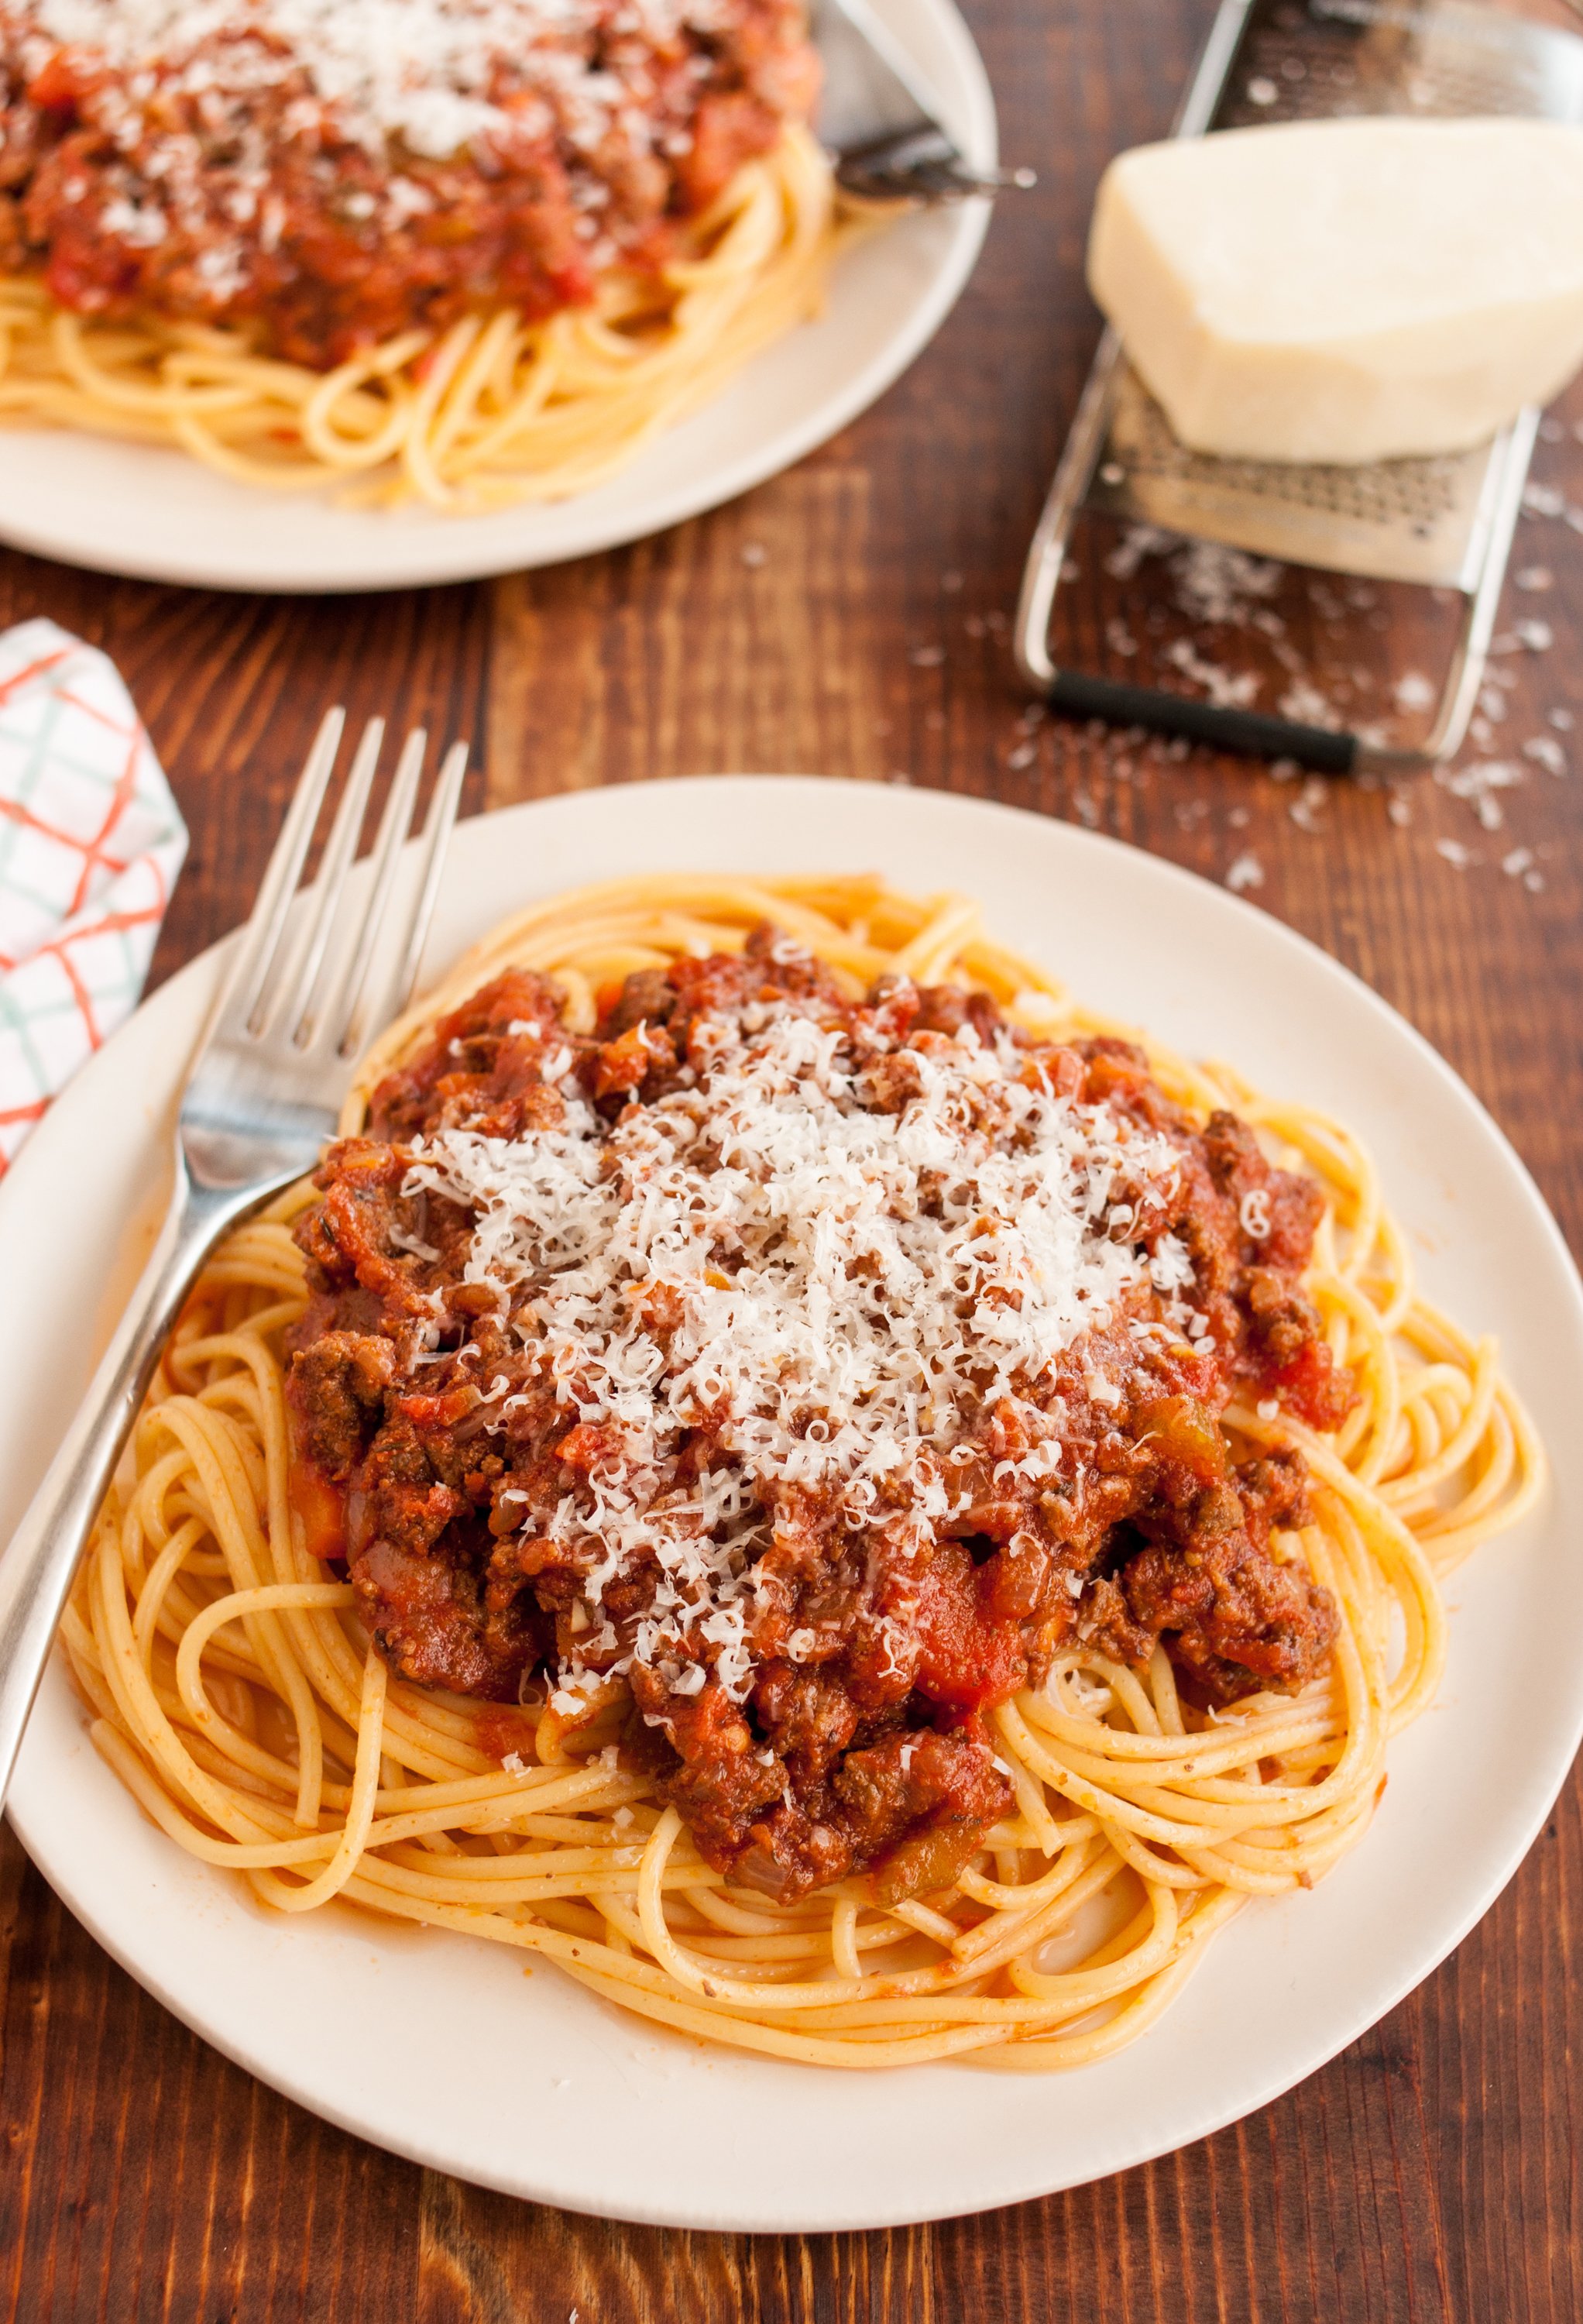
857	1753
197	163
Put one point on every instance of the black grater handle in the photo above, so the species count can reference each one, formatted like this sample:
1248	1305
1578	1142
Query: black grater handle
1248	732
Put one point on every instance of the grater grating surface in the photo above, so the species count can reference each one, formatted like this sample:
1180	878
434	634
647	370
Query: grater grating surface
1394	520
1305	63
1418	520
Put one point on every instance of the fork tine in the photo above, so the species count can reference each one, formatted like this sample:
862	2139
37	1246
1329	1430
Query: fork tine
436	832
307	986
284	869
394	826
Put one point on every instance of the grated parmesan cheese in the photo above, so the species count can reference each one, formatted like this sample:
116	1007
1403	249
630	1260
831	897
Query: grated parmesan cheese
836	1292
424	71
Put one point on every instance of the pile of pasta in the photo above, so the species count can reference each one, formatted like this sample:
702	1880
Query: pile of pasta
234	1690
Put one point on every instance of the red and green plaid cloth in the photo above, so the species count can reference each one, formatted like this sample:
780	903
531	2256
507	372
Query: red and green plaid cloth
90	844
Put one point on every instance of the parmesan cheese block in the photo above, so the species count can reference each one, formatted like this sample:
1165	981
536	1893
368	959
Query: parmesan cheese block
1347	291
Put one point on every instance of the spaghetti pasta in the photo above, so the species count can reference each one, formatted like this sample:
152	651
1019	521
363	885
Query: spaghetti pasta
235	1690
493	412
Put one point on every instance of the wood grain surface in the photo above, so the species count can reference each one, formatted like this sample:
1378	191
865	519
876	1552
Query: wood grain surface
850	618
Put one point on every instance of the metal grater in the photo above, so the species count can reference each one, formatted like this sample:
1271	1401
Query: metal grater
1444	523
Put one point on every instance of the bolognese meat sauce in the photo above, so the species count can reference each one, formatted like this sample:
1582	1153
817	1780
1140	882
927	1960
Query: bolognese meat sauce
326	176
812	1371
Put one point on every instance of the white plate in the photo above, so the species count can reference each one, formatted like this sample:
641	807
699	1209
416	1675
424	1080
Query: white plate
159	516
437	2047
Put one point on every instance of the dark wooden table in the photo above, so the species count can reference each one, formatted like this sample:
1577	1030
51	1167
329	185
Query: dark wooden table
850	618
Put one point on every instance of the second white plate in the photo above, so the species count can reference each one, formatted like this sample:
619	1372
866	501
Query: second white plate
159	516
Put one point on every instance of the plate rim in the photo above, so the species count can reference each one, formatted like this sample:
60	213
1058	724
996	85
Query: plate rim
450	551
1535	1797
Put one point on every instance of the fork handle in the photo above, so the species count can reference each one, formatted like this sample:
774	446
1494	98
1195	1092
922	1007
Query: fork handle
38	1565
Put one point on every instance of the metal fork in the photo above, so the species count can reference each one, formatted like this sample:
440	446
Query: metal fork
877	118
261	1098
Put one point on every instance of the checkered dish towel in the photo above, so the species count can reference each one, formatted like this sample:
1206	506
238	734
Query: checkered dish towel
90	844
